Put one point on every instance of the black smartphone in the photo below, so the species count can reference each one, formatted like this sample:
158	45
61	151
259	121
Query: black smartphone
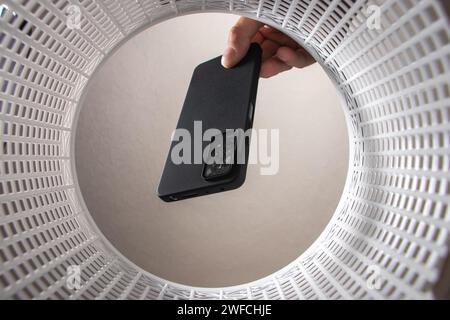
210	146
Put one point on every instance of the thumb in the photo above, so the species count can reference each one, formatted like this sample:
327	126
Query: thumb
239	39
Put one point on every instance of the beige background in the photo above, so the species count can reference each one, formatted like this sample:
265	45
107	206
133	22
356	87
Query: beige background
122	140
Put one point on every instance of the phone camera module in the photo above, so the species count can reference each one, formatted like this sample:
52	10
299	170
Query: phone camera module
221	158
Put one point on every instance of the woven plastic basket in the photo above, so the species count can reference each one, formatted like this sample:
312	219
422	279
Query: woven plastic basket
393	219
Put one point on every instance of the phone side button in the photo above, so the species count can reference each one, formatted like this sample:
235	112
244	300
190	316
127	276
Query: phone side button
250	112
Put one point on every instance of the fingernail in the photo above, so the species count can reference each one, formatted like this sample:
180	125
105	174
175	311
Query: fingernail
227	57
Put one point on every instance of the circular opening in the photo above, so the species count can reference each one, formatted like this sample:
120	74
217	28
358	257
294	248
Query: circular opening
123	134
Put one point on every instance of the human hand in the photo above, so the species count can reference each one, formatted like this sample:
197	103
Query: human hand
279	52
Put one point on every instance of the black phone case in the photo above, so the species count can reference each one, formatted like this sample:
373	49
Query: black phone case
221	98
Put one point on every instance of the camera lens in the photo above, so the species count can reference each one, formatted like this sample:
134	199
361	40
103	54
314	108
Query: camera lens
216	170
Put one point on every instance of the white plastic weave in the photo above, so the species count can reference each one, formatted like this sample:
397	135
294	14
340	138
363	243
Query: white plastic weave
393	216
